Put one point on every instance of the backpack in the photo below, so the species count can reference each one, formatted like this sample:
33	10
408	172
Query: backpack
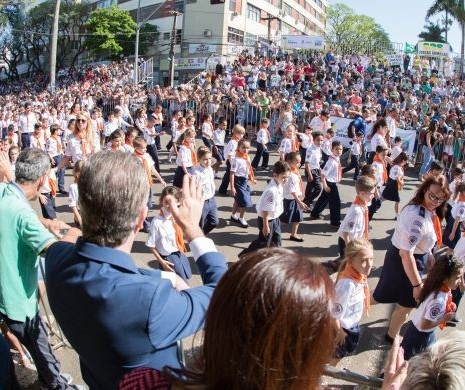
351	130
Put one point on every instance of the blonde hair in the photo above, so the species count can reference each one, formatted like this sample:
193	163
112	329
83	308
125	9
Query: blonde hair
238	129
353	248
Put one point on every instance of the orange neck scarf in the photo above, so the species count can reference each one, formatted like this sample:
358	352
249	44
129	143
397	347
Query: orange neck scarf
59	147
178	233
295	170
140	156
295	144
83	143
349	272
437	227
339	167
385	174
449	303
461	198
363	204
245	156
189	145
53	187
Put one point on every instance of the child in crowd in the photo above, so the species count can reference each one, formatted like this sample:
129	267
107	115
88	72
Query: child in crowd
237	133
263	138
453	227
176	133
207	131
313	169
448	153
204	172
331	174
380	165
396	147
187	157
12	135
306	141
352	294
37	140
436	170
435	305
369	171
48	194
457	174
396	180
354	155
74	194
287	143
241	170
130	135
326	145
13	153
269	208
218	146
292	204
116	141
166	239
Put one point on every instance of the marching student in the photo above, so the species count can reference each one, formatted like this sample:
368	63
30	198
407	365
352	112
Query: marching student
352	292
306	141
187	156
396	147
241	170
453	227
292	204
116	141
396	180
457	174
47	195
74	194
435	307
237	133
330	175
54	148
355	155
166	239
263	138
218	146
326	145
287	143
313	169
204	172
207	131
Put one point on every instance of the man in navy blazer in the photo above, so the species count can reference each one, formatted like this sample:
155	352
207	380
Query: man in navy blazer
115	315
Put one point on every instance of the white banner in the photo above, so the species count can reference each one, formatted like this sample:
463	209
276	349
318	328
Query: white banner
190	63
408	140
201	48
395	59
303	42
433	49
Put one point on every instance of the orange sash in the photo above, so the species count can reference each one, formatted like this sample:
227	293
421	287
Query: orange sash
53	187
349	272
295	170
59	146
245	156
461	198
385	174
188	144
449	305
437	227
148	172
295	144
178	233
83	144
361	203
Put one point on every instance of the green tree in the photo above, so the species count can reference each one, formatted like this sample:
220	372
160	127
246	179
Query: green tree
433	32
348	32
109	29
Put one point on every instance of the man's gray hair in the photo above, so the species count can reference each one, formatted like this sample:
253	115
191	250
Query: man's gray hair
31	165
113	189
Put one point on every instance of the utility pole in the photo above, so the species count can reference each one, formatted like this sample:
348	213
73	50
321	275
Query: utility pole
173	41
53	48
269	18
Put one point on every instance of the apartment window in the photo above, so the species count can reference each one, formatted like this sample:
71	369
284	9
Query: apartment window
250	40
235	36
253	13
278	4
287	9
232	5
285	28
166	36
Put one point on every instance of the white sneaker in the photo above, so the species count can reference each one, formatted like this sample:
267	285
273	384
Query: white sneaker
243	223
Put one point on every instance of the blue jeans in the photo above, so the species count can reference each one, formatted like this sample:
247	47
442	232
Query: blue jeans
428	158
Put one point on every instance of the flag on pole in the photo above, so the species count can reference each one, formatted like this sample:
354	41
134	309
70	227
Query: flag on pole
409	48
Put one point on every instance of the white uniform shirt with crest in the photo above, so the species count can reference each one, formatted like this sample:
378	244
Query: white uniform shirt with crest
184	156
230	149
331	169
218	137
356	149
458	211
396	172
326	145
271	200
292	186
206	180
162	236
432	309
353	223
207	130
285	146
452	186
240	167
379	173
414	232
377	140
262	137
395	151
349	302
149	135
307	141
313	157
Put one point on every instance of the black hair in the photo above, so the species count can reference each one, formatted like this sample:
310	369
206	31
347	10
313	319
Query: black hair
280	167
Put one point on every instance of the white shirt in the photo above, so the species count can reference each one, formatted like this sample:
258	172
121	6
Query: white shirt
37	143
306	141
432	309
458	211
73	195
230	149
391	125
414	232
218	137
262	137
349	302
292	186
149	135
396	172
184	156
207	130
356	149
331	169
51	146
240	167
313	157
162	236
285	146
376	141
110	127
206	180
319	125
326	145
26	122
271	201
379	173
74	149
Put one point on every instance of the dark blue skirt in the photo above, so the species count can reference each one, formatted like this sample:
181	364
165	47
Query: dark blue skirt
292	212
243	197
415	341
448	229
181	264
391	192
218	153
350	343
394	285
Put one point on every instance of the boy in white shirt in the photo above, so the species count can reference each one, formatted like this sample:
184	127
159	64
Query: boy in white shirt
263	138
229	153
354	155
218	146
313	169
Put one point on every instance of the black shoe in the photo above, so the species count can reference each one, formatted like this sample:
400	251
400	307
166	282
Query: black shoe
63	192
296	239
388	339
336	226
315	217
234	219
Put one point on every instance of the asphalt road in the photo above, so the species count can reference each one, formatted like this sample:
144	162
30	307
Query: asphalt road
320	243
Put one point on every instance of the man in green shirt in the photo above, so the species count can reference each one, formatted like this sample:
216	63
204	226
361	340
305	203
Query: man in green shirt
23	237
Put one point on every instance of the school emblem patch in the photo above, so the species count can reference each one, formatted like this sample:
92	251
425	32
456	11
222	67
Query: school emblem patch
351	225
435	311
418	224
412	240
337	308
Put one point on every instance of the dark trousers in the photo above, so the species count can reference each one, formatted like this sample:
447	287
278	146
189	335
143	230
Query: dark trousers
373	207
209	219
33	335
332	198
60	173
207	142
147	220
7	369
341	244
157	137
25	140
152	151
354	164
225	182
457	296
48	210
324	158
262	151
274	238
313	188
